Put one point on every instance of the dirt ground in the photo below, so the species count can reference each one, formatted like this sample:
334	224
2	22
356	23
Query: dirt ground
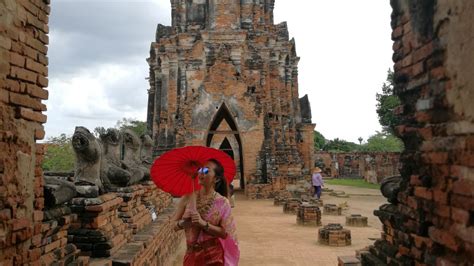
267	236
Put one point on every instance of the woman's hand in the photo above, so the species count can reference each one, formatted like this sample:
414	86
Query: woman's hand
197	220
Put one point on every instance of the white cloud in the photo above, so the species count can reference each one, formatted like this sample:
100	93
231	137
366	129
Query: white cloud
92	99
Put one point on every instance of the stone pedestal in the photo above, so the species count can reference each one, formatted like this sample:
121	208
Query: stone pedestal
281	197
356	220
291	206
308	215
334	235
317	202
99	231
332	209
348	261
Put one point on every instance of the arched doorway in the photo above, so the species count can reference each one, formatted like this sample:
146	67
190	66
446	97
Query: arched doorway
224	135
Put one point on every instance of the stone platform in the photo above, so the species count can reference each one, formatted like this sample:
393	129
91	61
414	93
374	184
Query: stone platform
308	215
332	209
356	220
291	206
334	235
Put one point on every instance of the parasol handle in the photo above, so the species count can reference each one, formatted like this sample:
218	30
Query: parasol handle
193	198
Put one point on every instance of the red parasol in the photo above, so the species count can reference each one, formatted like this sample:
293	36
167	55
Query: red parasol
173	171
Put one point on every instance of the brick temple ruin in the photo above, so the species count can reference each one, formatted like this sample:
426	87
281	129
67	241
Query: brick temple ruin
371	166
224	75
429	217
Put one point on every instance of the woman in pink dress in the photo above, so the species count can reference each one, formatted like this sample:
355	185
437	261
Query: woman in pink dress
207	221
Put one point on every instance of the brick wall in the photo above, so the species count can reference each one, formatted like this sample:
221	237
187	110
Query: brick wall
432	221
23	77
372	166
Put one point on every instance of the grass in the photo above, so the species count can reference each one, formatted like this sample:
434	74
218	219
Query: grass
351	183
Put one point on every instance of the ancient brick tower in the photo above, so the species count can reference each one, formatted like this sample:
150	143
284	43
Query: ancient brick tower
224	75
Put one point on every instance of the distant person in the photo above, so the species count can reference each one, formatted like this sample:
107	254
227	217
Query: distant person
317	181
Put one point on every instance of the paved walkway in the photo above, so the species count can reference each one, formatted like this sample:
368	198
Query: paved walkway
267	236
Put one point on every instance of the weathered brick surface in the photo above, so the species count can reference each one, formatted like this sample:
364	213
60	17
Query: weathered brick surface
228	78
431	223
23	38
155	244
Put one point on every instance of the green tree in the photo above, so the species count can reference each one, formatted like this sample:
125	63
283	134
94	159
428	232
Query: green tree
383	142
139	127
340	145
386	104
319	141
59	155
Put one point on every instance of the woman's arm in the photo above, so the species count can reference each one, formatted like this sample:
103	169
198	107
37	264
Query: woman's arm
179	212
210	229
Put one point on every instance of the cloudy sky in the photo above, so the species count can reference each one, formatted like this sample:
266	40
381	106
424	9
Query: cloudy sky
98	49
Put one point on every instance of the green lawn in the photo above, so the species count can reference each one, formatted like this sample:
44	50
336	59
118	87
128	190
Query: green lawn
352	183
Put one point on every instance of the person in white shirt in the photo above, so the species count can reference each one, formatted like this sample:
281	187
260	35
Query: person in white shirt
317	180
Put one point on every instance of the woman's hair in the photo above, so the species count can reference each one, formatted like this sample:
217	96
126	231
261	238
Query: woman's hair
221	183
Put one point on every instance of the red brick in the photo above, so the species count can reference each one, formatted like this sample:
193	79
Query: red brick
5	42
29	114
407	61
440	196
18	224
17	60
438	73
463	232
36	240
418	69
460	216
423	117
463	187
38	216
4	96
423	52
11	85
56	244
36	67
48	259
444	238
397	32
43	59
436	157
34	254
412	203
396	46
415	180
5	215
23	74
422	192
37	45
29	6
40	148
442	210
42	81
462	202
25	101
39	134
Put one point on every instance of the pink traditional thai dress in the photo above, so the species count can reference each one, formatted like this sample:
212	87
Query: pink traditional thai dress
204	249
